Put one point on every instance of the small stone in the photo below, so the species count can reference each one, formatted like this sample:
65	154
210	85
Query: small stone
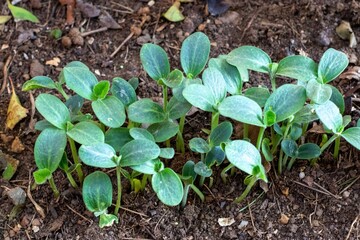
294	228
17	196
12	233
35	229
284	219
301	175
36	222
151	3
346	194
144	11
319	212
66	41
202	27
136	30
243	224
36	68
35	4
315	223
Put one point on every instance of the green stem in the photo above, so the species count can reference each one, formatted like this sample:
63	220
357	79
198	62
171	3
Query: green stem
53	187
118	200
333	138
180	146
284	161
280	162
198	192
63	93
76	159
260	137
247	190
245	130
211	182
71	180
337	147
144	181
185	196
292	160
223	172
214	120
165	96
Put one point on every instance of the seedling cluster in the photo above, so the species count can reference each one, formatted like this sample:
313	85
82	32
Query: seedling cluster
133	136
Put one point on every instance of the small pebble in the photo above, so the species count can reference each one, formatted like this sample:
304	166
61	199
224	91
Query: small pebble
301	175
346	194
315	223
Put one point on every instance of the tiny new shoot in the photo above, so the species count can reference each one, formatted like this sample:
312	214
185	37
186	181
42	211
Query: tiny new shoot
188	177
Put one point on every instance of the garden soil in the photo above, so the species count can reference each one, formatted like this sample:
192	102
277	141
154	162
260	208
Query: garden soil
309	202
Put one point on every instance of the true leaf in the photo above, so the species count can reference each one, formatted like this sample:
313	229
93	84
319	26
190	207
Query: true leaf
107	220
149	167
246	157
258	94
110	111
220	134
351	135
42	175
308	151
286	101
201	169
163	131
86	133
155	61
138	151
216	154
194	54
21	13
318	92
269	117
329	115
97	191
298	67
49	148
215	82
265	150
101	89
199	145
38	82
141	133
332	63
123	91
98	155
249	57
200	96
176	109
117	137
146	111
242	109
168	187
174	79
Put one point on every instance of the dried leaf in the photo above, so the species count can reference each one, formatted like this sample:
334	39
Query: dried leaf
53	62
9	165
88	9
17	146
224	222
15	111
4	19
108	21
351	73
345	32
173	14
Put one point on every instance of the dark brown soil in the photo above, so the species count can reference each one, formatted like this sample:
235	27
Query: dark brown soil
323	205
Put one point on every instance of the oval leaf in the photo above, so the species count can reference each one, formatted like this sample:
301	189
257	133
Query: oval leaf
117	137
53	110
167	153
199	145
38	82
110	111
332	64
194	54
200	96
49	148
290	148
306	115
138	151
155	61
21	13
338	99
259	94
308	151
220	134
352	136
317	92
174	79
86	133
146	111
250	57
298	67
98	155
330	116
176	109
168	187
203	170
215	82
141	133
163	131
123	91
216	154
242	109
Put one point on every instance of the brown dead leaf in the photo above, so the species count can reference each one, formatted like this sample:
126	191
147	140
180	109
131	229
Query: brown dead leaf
285	191
15	112
17	146
351	73
57	224
53	62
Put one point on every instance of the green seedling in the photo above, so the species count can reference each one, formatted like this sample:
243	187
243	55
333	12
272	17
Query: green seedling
97	195
20	13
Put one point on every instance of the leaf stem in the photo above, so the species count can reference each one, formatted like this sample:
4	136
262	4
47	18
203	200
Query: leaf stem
336	148
180	146
165	96
245	130
71	180
76	159
53	187
329	142
118	200
214	120
292	160
223	172
186	192
260	137
63	93
247	190
198	192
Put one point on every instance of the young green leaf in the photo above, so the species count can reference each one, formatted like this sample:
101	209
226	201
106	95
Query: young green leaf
97	192
80	79
107	220
117	137
215	82
149	167
146	111
49	148
250	57
318	92
200	96
194	54
306	115
101	89
53	110
269	118
242	109
188	171
98	155
155	61
21	13
266	151
298	67
230	74
337	98
168	187
203	170
330	116
352	136
332	64
134	82
220	134
176	109
38	82
74	104
174	79
246	157
259	94
216	154
178	91
286	101
42	175
199	145
141	133
138	151
110	111
86	133
164	130
290	147
308	151
167	153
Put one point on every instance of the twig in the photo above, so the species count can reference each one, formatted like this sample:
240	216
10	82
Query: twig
212	194
348	186
102	29
251	217
352	226
123	6
5	71
317	190
86	219
116	10
32	121
325	190
138	213
122	44
39	209
250	23
311	214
